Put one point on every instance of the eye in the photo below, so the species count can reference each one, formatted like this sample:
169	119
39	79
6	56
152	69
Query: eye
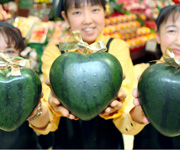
96	10
10	52
76	12
171	31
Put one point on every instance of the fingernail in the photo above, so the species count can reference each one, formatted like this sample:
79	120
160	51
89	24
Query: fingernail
146	121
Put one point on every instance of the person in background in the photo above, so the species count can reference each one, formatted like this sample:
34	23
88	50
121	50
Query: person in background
11	43
168	29
88	16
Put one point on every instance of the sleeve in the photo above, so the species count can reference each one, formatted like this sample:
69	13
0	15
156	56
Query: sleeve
122	119
54	120
49	55
120	50
124	123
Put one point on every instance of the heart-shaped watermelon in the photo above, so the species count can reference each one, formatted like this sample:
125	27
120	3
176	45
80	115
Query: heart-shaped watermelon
86	84
159	95
19	96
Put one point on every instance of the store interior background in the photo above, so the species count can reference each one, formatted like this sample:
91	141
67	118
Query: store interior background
130	20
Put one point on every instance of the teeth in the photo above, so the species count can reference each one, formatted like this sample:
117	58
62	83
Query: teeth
88	29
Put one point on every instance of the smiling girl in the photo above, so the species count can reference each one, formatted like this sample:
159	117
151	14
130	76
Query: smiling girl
88	16
168	36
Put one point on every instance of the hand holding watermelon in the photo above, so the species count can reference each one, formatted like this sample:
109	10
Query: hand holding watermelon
116	104
158	91
85	83
56	104
20	90
36	112
137	113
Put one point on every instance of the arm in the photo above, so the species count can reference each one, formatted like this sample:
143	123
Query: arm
134	121
48	120
52	109
42	120
120	50
123	120
137	113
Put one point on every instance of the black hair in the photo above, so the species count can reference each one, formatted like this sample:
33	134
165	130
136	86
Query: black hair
171	10
164	14
11	26
12	37
64	5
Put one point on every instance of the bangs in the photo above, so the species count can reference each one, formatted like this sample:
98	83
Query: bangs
12	38
172	11
80	3
174	15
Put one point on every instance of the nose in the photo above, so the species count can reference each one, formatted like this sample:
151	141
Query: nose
87	17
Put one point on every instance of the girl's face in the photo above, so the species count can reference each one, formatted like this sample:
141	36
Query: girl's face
10	50
169	36
88	19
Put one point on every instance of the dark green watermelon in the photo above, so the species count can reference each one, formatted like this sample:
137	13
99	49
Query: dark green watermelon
159	95
86	84
19	96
